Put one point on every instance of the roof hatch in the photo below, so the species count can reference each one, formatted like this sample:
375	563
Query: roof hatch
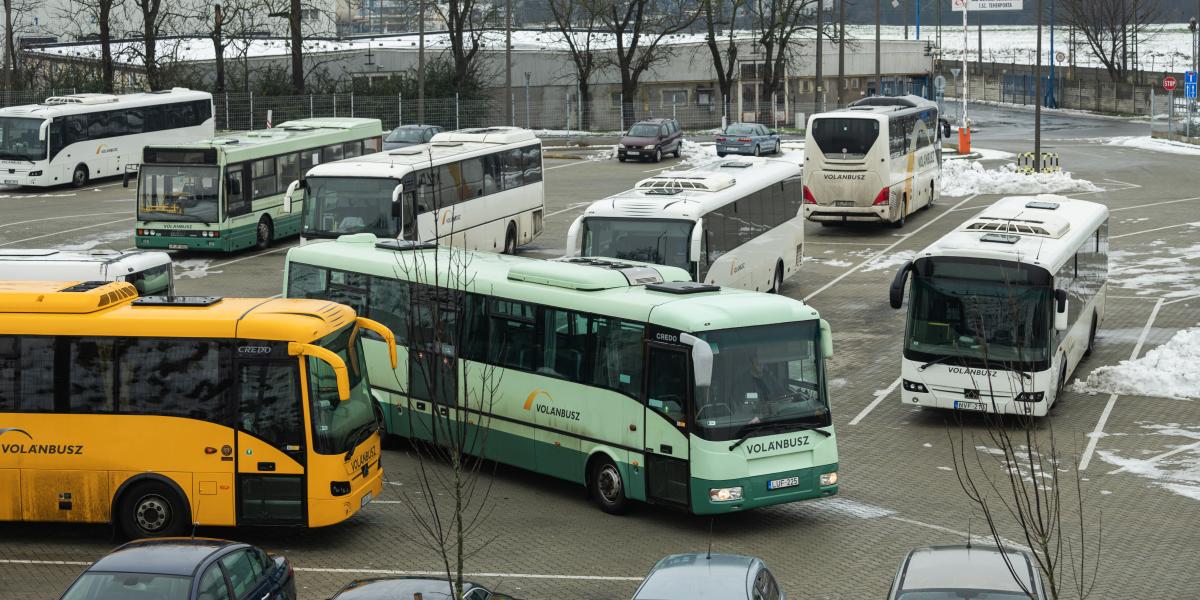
708	182
587	274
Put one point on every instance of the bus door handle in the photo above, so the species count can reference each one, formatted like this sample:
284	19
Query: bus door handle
266	466
665	449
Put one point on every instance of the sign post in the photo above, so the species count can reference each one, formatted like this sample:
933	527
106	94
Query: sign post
1189	90
964	6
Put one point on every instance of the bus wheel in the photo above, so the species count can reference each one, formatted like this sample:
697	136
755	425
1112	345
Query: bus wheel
607	487
898	223
264	233
510	239
932	195
151	509
80	177
1061	388
1091	338
777	282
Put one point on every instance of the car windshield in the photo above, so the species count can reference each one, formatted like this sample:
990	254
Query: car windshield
961	594
644	130
658	241
413	135
178	193
768	377
336	206
103	586
19	139
983	313
845	136
155	281
338	425
741	129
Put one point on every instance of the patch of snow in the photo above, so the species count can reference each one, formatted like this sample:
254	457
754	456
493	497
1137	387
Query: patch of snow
839	382
966	178
1105	493
889	261
1168	270
833	262
1178	473
606	153
945	469
103	239
1168	371
193	268
986	154
851	508
1146	142
694	154
927	445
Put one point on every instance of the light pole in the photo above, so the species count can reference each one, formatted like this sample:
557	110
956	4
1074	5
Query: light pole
818	96
420	62
1037	116
878	64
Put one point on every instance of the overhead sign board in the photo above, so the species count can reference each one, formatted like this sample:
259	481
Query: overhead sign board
974	5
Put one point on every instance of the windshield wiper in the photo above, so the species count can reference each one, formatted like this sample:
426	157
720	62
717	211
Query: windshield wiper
768	427
936	361
360	435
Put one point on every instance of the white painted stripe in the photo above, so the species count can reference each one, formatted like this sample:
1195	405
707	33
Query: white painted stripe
1112	398
844	243
494	575
1193	224
570	164
879	396
885	250
238	260
978	539
1113	210
38	237
1152	460
1185	299
575	206
123	212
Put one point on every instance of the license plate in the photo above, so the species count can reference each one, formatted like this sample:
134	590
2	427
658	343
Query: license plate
366	499
632	152
786	482
843	203
10	182
177	246
962	405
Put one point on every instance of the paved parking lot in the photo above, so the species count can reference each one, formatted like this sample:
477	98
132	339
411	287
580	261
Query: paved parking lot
898	487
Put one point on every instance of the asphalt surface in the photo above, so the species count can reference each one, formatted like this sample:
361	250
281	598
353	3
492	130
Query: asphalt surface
898	487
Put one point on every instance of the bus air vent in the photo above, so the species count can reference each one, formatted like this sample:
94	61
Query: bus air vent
736	164
641	275
401	245
84	286
1041	205
683	287
446	144
177	301
1000	238
405	152
663	191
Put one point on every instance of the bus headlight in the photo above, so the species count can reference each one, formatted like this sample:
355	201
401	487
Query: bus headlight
1030	396
829	478
913	386
728	494
35	173
339	488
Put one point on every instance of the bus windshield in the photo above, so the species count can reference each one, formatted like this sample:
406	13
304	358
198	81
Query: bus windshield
153	281
19	139
766	378
340	425
981	313
852	137
336	206
178	193
658	241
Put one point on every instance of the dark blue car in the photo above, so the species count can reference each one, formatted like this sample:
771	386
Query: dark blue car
185	569
747	138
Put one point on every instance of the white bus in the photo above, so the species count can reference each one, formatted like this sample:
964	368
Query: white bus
72	139
1002	309
879	160
149	272
479	189
733	222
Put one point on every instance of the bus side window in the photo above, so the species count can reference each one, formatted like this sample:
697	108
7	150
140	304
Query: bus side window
533	164
27	373
177	377
235	197
269	403
512	174
57	141
92	375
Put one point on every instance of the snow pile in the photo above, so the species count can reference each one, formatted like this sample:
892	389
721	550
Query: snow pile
193	268
1168	371
966	178
604	153
987	154
1146	142
890	261
695	154
1177	470
1169	271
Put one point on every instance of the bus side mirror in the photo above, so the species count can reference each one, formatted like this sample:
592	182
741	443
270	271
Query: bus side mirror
702	359
388	337
334	361
287	196
43	129
1060	310
696	243
574	247
397	192
946	129
826	340
896	293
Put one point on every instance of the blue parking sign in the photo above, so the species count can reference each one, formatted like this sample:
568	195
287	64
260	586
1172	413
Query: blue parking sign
1189	77
1189	89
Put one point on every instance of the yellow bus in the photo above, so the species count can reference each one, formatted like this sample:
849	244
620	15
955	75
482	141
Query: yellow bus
160	413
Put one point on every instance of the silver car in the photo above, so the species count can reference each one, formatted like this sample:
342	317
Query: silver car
703	576
960	572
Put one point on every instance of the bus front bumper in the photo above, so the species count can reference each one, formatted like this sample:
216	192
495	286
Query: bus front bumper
959	402
756	493
190	240
839	214
333	510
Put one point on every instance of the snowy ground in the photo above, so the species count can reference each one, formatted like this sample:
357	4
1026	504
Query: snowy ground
965	178
1168	371
1162	269
1177	470
1157	145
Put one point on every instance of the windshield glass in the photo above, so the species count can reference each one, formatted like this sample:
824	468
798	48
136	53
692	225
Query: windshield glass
155	281
336	206
19	139
412	135
101	586
845	136
178	193
981	313
657	241
339	426
644	130
741	129
767	378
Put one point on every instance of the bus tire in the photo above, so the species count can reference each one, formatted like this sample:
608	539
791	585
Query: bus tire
932	195
1091	338
264	233
79	178
777	281
898	223
720	155
151	508
1061	387
606	486
510	239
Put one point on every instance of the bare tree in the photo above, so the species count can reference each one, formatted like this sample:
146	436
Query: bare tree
466	24
81	13
778	22
579	26
15	78
1107	27
157	21
718	14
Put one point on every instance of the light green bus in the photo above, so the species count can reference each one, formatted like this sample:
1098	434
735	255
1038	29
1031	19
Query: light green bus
625	377
227	193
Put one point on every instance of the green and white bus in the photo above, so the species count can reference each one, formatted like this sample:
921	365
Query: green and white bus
556	357
227	193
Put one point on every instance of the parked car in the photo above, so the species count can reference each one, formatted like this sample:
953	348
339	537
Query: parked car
406	588
747	138
964	571
651	139
185	568
409	135
703	576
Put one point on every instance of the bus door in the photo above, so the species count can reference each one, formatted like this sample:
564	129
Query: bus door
668	399
432	364
271	442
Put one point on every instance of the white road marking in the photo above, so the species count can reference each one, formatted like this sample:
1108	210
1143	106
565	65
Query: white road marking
879	396
1112	398
1152	460
844	243
237	260
575	206
1113	210
885	250
38	237
123	212
1192	224
1178	300
570	164
978	539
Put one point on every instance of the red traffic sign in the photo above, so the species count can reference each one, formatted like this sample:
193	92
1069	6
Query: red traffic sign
1169	83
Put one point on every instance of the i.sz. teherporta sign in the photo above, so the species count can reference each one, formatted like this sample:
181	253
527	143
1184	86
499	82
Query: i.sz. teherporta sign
974	5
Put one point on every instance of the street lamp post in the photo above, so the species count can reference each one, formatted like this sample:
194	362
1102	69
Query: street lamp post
1037	116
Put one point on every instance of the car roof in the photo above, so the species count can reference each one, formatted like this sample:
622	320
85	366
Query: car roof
655	120
962	566
388	588
412	126
698	575
163	556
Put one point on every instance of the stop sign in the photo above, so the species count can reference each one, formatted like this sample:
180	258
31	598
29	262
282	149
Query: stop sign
1169	83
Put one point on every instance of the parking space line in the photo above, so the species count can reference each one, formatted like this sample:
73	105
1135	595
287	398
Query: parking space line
1154	459
443	573
885	250
122	212
577	162
1193	224
46	235
845	243
1184	299
574	206
1113	210
879	396
1094	437
237	260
